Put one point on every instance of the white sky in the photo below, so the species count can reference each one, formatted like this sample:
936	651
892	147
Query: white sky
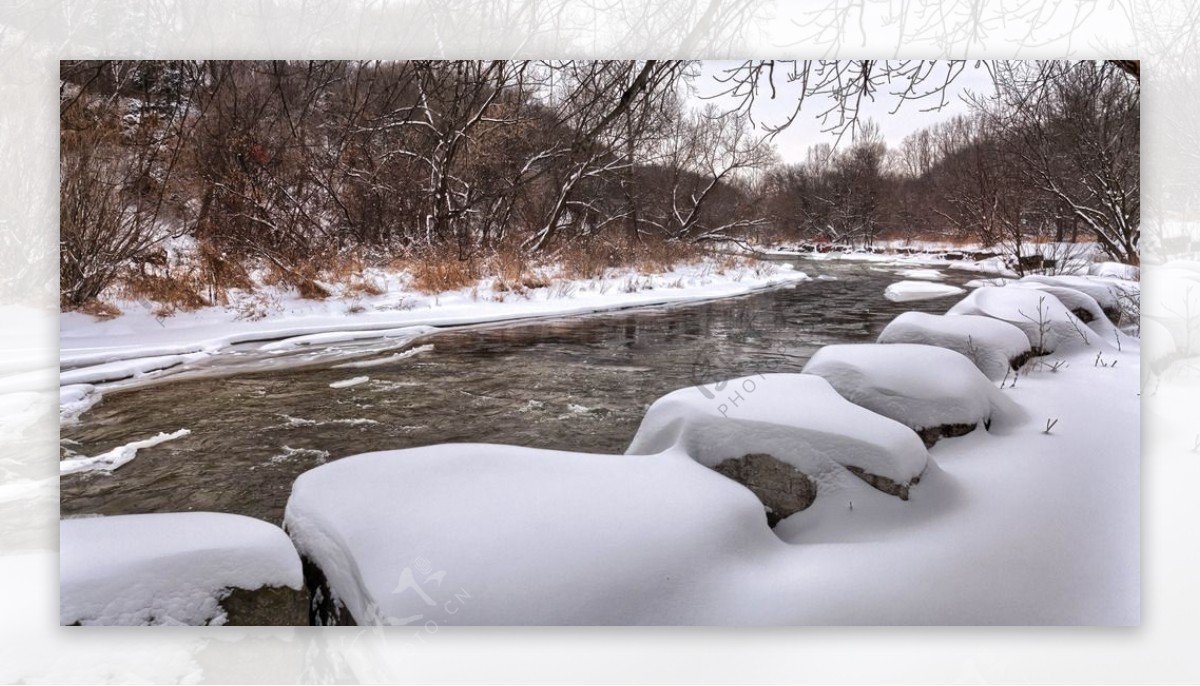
806	130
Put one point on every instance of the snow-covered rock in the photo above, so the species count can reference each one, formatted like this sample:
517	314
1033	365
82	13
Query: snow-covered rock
904	291
492	534
925	274
1117	270
1047	323
934	391
178	568
1102	290
1080	304
797	419
993	345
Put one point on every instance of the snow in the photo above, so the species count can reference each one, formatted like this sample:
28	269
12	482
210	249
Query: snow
996	281
167	568
904	291
1102	290
122	369
1047	323
924	263
74	400
1076	301
921	386
347	383
1008	527
796	418
512	535
990	343
140	345
1116	270
362	364
926	274
117	457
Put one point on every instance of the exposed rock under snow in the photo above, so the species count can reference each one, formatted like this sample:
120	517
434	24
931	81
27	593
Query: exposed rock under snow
795	418
179	568
1047	323
511	535
993	345
929	389
1102	290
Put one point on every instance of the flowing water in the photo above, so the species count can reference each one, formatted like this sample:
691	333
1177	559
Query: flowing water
578	383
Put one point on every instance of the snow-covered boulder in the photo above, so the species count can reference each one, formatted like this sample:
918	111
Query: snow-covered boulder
190	568
934	391
796	419
492	534
1103	290
1080	304
1116	270
994	346
904	291
1047	323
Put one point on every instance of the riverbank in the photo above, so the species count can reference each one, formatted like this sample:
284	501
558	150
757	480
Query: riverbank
140	344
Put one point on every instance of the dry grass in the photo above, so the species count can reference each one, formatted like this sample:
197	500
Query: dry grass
440	272
99	310
171	293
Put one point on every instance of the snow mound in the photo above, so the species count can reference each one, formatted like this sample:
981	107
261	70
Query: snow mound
921	386
796	418
490	534
990	343
1102	290
904	291
1116	270
927	274
1079	303
997	281
1047	323
170	568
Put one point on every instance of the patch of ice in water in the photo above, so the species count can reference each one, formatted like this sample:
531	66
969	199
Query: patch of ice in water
290	453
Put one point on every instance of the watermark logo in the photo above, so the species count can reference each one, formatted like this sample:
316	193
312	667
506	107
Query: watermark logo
427	585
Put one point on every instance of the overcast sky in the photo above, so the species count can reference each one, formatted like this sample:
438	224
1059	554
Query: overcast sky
806	130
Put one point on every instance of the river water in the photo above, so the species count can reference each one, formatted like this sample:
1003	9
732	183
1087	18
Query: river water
579	383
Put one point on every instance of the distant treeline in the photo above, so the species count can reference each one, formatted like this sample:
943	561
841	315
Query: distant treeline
287	161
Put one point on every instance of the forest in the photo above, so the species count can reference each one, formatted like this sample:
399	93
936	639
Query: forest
464	168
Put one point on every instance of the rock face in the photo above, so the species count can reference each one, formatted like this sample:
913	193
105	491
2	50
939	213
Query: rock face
783	489
266	606
321	607
932	434
882	483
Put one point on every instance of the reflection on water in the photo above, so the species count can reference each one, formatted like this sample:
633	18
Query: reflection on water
578	384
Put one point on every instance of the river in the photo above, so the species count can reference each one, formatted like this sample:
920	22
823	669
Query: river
580	383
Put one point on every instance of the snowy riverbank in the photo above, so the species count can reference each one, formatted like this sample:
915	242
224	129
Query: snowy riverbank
138	345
